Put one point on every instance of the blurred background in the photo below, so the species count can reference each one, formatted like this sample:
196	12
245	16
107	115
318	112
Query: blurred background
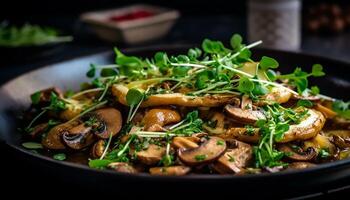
312	26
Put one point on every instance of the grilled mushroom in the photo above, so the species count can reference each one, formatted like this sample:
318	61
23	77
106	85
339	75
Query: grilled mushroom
242	134
152	155
341	138
217	124
98	149
155	119
297	153
185	142
178	99
300	165
53	139
38	130
78	137
208	151
122	167
245	116
235	159
277	94
306	129
109	121
170	171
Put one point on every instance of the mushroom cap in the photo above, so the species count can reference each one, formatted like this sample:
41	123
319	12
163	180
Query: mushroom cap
53	139
111	119
208	151
300	165
245	116
98	149
177	99
306	129
235	159
122	167
78	137
170	171
152	155
156	118
293	154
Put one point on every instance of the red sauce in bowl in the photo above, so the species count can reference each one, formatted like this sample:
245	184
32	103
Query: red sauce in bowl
137	14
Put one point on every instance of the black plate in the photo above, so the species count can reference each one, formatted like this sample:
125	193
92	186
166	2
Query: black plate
67	75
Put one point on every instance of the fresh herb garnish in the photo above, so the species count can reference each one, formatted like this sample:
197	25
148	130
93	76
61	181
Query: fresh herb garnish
342	108
32	145
59	156
200	157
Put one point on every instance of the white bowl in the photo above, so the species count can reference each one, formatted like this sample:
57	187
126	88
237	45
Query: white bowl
135	30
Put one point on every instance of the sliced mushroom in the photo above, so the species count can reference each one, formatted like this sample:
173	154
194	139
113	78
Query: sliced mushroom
210	150
341	138
155	119
247	102
185	142
110	121
297	153
328	113
72	110
216	125
170	171
340	142
38	130
234	159
178	99
152	155
306	129
242	134
320	142
122	167
78	137
276	95
300	165
98	149
309	98
53	139
245	116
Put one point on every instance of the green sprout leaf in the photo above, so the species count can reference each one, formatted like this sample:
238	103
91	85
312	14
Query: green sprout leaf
106	72
236	42
134	96
213	47
305	103
271	75
342	108
315	90
194	54
35	97
99	164
245	85
317	70
267	62
180	71
92	71
245	55
59	156
32	145
203	78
